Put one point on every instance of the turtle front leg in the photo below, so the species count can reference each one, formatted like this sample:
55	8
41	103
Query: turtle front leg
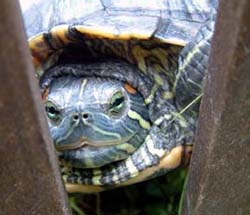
192	69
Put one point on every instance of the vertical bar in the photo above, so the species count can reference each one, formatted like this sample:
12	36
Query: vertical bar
30	181
219	180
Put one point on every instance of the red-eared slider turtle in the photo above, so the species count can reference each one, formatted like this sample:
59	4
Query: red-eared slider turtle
120	91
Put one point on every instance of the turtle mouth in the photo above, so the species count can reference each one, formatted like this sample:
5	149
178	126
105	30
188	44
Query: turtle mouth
84	142
73	146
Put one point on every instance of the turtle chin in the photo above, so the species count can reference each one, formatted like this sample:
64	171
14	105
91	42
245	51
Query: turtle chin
89	153
91	156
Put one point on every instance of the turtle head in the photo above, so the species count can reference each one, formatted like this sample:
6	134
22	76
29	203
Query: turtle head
95	121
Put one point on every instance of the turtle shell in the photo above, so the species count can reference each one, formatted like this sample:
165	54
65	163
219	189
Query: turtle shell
116	22
147	34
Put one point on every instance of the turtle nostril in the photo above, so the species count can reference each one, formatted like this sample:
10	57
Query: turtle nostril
75	117
85	116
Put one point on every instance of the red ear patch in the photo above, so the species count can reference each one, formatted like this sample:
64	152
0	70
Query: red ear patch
45	94
130	89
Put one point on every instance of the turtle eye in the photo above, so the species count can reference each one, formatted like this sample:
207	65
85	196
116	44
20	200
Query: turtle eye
117	103
52	111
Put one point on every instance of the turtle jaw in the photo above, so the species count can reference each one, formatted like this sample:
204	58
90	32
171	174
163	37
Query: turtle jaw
74	146
90	154
83	142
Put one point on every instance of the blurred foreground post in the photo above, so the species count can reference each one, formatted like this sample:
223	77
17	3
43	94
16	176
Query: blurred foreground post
219	181
30	181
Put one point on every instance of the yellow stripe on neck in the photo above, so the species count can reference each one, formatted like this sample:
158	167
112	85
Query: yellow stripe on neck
143	123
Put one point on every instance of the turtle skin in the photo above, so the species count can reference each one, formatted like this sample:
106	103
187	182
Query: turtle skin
168	45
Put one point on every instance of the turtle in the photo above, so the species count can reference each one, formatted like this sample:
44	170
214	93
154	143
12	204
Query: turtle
121	83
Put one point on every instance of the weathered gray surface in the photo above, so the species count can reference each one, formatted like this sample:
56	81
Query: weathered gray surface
219	180
30	182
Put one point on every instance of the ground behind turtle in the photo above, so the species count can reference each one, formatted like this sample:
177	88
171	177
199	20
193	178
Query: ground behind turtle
160	196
